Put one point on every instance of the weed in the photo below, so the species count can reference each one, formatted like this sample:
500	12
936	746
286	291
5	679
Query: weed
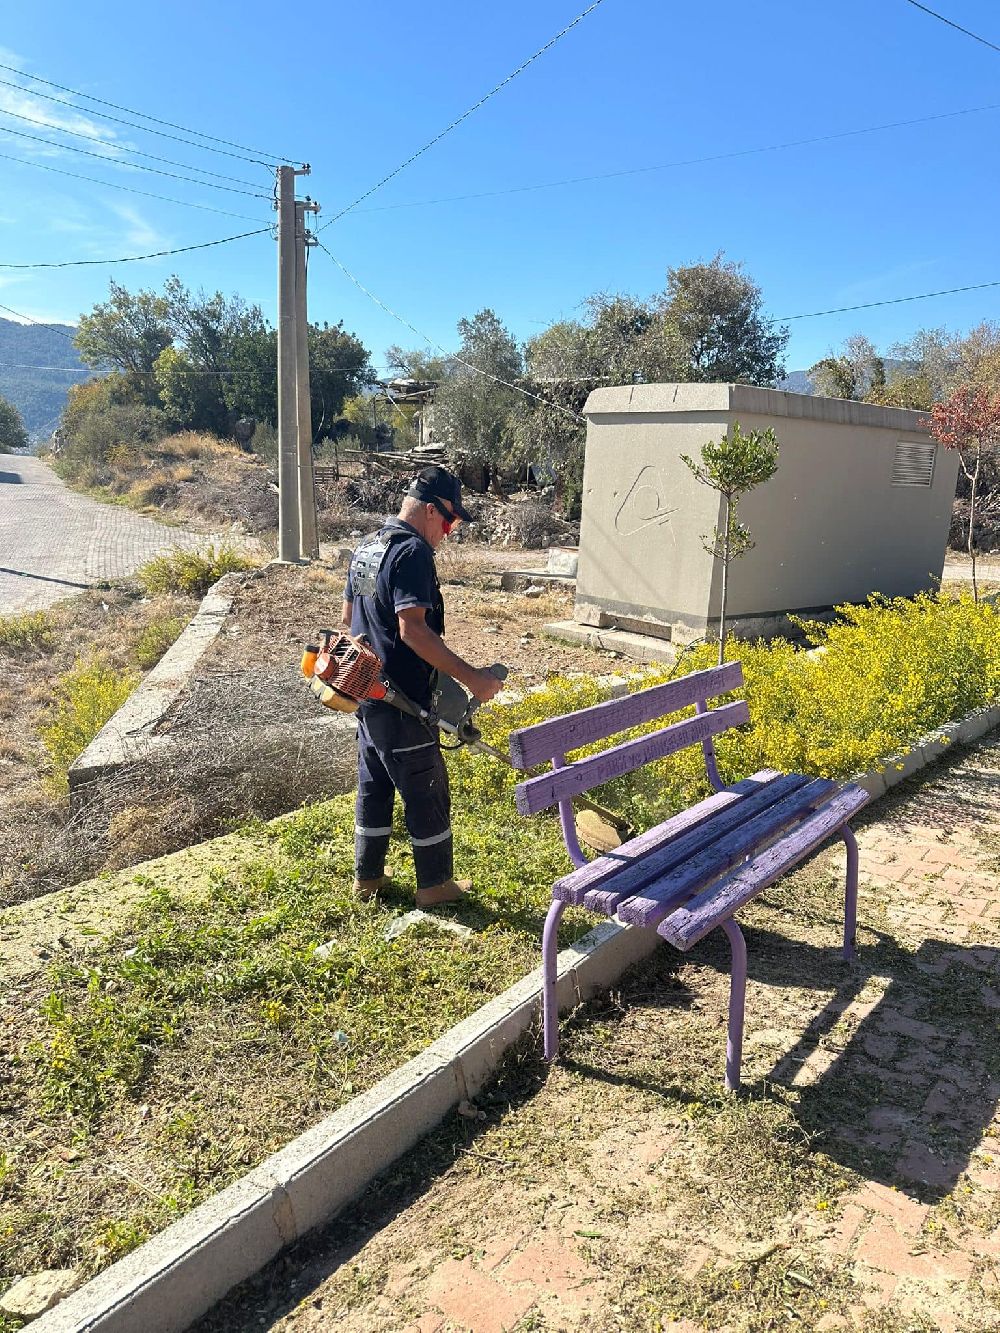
191	572
86	697
155	639
31	630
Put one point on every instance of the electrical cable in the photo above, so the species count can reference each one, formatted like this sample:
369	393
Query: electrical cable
56	328
129	189
556	407
35	78
144	129
123	148
465	114
134	166
86	370
957	26
685	162
131	259
895	300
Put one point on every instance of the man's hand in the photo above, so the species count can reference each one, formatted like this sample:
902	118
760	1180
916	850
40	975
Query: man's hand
483	685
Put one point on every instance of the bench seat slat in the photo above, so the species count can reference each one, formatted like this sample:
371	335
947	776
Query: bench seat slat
572	887
638	880
539	793
647	908
560	735
685	926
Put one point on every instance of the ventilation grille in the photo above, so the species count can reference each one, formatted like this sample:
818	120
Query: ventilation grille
913	464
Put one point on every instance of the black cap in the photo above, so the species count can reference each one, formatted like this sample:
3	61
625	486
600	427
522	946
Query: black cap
437	483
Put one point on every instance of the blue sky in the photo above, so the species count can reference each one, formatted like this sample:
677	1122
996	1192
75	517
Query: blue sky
354	90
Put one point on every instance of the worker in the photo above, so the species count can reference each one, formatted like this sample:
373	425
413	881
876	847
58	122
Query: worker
393	598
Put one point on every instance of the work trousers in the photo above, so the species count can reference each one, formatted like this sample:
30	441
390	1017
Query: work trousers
399	753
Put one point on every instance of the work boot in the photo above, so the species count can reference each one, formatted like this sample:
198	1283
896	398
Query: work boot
451	891
366	889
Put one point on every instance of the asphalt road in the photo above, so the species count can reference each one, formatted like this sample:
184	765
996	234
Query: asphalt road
54	542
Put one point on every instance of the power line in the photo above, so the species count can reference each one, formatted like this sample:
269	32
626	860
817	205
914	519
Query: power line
556	407
895	300
145	129
957	26
129	189
35	78
123	148
62	370
685	162
131	259
134	166
40	323
465	114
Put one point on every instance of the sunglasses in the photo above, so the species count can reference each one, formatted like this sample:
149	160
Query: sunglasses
450	519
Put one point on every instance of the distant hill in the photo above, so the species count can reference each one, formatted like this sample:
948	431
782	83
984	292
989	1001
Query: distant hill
38	394
796	381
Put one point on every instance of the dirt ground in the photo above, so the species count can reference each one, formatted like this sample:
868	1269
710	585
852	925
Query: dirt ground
853	1184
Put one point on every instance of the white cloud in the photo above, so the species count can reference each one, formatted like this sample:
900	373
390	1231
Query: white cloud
50	116
139	233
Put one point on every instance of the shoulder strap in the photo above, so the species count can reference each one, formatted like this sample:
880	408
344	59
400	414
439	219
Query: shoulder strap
369	555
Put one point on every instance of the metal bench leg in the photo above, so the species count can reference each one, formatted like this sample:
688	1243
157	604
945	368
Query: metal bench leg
850	892
550	951
737	1004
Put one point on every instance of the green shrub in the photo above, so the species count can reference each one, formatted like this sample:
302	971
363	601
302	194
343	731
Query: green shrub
191	572
28	630
95	434
86	697
155	639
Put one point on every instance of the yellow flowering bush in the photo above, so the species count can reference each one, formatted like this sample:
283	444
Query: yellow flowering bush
857	692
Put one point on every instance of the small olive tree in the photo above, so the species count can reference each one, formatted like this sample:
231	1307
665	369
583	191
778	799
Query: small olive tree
734	466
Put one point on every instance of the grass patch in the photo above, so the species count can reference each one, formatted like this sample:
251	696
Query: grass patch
191	572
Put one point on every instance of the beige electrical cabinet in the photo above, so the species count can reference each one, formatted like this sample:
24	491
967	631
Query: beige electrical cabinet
860	503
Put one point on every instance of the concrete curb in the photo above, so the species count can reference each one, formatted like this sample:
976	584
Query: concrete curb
169	1282
131	729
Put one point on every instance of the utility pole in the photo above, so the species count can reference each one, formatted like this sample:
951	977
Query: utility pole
308	538
289	528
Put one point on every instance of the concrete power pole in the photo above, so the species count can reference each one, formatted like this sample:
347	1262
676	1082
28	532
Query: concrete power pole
309	540
289	528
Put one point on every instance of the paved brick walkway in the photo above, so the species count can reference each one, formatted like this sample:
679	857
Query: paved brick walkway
53	541
623	1192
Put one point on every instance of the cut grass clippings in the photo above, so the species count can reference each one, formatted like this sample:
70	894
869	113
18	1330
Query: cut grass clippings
206	1031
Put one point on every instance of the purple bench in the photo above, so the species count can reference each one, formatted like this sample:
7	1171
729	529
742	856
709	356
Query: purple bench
695	871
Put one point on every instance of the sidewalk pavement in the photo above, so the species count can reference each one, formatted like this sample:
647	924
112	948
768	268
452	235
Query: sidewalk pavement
854	1185
55	542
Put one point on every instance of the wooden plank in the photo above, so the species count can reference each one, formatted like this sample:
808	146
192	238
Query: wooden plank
572	887
561	735
539	793
650	905
646	879
684	927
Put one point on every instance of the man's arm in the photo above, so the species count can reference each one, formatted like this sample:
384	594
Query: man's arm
345	615
418	636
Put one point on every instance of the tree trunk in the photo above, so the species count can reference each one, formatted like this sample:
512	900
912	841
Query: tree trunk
725	581
973	479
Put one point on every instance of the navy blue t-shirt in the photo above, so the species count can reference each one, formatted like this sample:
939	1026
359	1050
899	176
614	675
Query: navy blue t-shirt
407	577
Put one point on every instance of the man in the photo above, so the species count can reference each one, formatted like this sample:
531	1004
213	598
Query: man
393	598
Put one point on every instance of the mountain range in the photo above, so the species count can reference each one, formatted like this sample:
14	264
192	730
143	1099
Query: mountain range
38	363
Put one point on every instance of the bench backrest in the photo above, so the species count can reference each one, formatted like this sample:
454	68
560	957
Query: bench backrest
554	739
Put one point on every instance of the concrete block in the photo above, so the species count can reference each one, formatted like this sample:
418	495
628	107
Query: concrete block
874	783
898	767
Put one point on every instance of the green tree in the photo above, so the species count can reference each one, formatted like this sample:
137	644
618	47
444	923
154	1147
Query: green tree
12	433
733	467
191	400
713	319
856	372
472	408
128	332
339	368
